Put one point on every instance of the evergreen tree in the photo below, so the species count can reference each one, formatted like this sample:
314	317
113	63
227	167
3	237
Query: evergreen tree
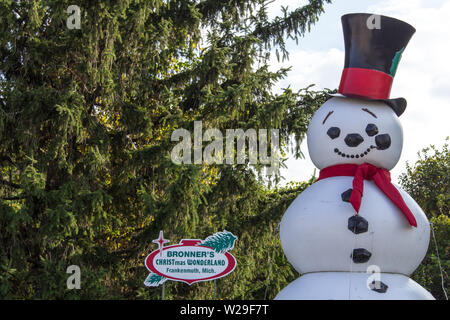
427	181
86	117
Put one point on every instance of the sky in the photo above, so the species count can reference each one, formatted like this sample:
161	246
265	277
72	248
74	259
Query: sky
423	75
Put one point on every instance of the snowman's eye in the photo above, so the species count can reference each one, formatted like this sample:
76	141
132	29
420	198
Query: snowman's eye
334	132
371	129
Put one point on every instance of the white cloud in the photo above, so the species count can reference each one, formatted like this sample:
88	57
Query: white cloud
322	68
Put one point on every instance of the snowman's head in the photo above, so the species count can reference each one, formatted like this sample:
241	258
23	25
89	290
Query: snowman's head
346	130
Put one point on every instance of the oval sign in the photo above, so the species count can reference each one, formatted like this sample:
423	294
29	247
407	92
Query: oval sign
191	261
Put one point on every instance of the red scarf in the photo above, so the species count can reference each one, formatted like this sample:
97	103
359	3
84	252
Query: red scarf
380	176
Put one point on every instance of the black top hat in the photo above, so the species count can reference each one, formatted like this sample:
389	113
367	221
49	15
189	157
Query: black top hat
373	47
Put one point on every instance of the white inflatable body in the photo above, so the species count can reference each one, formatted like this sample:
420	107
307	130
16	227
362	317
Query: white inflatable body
315	231
352	286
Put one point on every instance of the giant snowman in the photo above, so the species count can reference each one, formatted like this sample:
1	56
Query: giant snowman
353	234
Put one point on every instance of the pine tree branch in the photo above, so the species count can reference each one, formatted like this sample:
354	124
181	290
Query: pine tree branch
11	184
13	198
7	159
210	9
294	24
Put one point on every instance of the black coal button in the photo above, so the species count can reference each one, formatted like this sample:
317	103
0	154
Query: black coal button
346	195
360	255
378	286
358	224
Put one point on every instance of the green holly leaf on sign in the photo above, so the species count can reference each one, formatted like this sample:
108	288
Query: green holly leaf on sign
220	242
154	280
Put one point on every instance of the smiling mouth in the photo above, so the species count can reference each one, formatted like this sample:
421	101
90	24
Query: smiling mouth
360	155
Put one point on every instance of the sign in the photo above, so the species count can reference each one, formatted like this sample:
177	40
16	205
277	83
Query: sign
192	260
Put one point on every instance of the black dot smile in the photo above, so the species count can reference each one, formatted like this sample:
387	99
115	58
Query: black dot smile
360	155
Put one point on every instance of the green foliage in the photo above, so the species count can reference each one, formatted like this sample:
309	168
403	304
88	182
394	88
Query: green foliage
86	118
428	183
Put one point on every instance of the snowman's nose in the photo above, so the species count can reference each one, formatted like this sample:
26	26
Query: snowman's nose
353	139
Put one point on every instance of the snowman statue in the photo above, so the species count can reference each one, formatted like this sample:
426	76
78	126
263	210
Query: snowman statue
353	234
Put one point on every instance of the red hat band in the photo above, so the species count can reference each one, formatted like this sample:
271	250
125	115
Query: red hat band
365	83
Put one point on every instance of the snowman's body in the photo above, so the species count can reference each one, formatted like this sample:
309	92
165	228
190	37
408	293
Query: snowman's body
317	242
352	286
315	233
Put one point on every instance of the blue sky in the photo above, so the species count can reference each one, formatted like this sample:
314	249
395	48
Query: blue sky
423	76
